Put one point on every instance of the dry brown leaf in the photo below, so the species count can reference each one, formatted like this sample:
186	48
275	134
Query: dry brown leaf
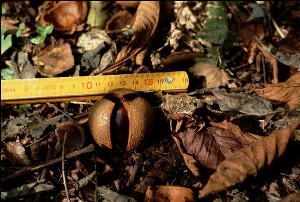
169	193
211	146
244	137
54	59
144	26
15	153
214	76
248	161
247	31
287	92
177	57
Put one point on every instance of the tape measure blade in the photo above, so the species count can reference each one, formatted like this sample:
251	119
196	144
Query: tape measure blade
60	88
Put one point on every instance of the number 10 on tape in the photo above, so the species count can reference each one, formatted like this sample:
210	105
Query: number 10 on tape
88	87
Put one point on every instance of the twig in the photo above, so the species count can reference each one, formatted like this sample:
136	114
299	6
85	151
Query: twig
63	155
24	171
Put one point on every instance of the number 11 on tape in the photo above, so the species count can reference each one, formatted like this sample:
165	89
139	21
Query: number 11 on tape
88	87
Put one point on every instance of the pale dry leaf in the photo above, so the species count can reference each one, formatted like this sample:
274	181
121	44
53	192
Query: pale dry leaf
144	26
214	75
248	161
169	193
242	102
285	94
15	153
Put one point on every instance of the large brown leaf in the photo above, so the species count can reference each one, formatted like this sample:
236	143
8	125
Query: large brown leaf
144	26
169	193
248	161
287	92
214	75
211	146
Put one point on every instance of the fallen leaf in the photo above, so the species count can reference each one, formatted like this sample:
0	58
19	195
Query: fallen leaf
144	26
245	137
214	76
248	161
15	153
54	59
169	193
285	94
242	102
211	146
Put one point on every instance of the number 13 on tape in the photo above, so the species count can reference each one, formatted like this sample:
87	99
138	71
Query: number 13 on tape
88	87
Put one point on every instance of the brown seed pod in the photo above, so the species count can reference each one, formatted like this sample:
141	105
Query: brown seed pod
121	119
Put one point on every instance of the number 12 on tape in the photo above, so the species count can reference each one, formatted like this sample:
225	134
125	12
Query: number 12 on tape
85	87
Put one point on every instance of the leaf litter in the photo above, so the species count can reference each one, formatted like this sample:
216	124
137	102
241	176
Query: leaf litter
239	116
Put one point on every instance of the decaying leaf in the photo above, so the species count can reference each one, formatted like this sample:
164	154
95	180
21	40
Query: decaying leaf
144	26
214	76
22	66
247	104
15	153
54	59
169	193
248	161
74	133
285	94
15	126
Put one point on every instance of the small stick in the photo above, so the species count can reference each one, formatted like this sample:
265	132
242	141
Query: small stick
63	155
24	171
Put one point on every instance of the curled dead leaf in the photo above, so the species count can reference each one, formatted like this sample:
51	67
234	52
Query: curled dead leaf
54	59
285	94
169	193
74	133
214	76
66	16
144	26
248	161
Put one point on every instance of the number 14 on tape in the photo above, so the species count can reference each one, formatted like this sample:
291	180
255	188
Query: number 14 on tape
88	87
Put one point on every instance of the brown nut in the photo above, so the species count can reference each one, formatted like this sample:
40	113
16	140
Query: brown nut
121	118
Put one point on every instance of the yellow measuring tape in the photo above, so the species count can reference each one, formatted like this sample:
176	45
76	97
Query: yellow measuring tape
59	89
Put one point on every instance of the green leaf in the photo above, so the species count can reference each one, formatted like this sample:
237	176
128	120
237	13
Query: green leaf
49	29
42	31
7	73
6	42
3	11
21	28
